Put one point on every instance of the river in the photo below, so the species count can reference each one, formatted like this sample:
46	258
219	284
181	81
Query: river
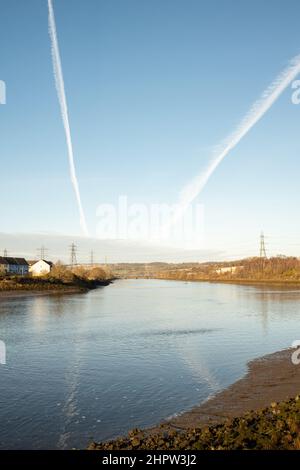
92	366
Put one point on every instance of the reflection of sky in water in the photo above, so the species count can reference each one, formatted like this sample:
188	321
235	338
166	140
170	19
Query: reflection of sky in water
92	366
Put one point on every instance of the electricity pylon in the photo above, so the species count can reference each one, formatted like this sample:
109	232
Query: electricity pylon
73	257
262	250
42	252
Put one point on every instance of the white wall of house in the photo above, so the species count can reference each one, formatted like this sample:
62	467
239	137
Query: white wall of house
40	268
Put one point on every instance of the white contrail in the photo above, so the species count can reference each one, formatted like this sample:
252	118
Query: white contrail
257	111
60	87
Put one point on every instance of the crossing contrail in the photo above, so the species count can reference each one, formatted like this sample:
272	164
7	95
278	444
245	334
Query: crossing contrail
256	112
60	87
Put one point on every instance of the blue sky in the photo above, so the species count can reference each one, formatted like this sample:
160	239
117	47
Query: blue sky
152	87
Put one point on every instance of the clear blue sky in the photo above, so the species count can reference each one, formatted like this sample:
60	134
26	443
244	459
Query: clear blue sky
152	86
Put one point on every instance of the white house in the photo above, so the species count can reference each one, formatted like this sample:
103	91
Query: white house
40	268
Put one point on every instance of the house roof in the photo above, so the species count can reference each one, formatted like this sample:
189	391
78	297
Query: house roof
13	261
45	261
48	262
32	261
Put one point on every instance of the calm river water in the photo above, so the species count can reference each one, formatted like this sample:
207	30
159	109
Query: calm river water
92	366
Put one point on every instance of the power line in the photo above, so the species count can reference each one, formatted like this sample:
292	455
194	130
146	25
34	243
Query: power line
92	258
5	253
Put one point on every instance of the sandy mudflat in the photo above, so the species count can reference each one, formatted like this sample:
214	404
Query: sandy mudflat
269	379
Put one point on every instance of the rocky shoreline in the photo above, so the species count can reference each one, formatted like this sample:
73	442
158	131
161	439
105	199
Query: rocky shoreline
13	294
53	289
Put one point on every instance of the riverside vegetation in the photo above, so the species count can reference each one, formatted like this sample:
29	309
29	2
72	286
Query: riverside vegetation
60	278
276	427
279	269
